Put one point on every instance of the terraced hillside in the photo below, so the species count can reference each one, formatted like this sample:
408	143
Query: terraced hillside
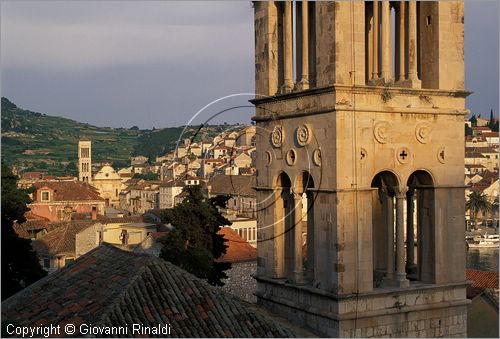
36	141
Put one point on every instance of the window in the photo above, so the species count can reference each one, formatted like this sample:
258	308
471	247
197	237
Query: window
46	263
68	261
45	196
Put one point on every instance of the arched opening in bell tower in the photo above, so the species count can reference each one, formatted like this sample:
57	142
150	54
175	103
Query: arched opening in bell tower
383	221
304	225
283	226
420	223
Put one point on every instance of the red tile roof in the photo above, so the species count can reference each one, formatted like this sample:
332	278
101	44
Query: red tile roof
32	216
238	249
33	175
482	279
111	287
69	190
60	241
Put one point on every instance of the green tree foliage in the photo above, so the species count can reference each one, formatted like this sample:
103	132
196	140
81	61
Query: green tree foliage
146	176
473	120
468	130
494	128
20	265
194	244
477	202
492	120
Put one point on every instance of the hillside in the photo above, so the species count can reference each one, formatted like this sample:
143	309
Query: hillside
36	141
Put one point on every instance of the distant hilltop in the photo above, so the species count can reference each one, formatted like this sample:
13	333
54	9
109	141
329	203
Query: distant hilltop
35	141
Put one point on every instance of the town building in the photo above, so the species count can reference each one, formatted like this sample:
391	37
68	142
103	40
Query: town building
240	190
109	185
243	259
61	200
360	134
482	312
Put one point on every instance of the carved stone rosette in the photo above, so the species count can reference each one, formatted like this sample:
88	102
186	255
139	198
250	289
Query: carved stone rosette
277	136
423	132
382	131
304	135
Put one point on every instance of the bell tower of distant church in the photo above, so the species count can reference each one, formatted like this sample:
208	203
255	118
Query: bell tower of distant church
85	161
359	112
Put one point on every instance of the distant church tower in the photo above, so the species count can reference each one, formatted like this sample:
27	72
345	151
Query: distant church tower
360	185
85	161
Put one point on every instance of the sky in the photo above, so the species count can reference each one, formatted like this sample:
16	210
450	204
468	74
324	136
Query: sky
161	63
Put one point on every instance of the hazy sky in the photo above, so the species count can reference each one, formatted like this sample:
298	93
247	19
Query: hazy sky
158	63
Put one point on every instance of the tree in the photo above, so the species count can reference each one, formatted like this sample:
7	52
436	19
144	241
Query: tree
20	265
146	176
194	244
473	120
477	202
491	122
468	130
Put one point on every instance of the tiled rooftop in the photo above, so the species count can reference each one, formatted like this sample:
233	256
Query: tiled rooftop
69	190
111	287
60	241
241	185
238	249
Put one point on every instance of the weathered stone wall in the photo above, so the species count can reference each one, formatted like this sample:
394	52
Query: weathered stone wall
240	281
87	239
421	311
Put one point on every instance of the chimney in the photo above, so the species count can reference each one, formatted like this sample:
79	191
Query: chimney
94	213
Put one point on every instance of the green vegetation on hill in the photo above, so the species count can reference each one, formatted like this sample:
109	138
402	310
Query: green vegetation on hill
35	141
38	142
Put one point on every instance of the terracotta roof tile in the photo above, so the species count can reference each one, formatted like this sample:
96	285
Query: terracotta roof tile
147	290
60	240
238	249
241	185
482	279
69	190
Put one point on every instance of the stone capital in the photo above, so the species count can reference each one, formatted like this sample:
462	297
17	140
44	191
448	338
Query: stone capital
401	192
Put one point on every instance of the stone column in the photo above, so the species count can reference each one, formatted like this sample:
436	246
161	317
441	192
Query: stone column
412	44
402	40
410	232
386	41
298	266
309	266
278	235
375	40
390	236
304	82
288	48
400	238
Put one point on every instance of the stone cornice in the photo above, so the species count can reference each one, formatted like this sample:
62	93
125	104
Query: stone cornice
361	90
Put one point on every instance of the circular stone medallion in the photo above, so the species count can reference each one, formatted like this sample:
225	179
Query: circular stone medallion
317	157
291	157
441	154
269	158
423	132
304	134
382	131
277	136
403	155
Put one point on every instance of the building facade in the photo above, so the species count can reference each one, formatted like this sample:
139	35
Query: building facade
353	131
109	185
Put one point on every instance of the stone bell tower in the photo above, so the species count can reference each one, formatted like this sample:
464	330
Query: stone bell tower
359	111
85	161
